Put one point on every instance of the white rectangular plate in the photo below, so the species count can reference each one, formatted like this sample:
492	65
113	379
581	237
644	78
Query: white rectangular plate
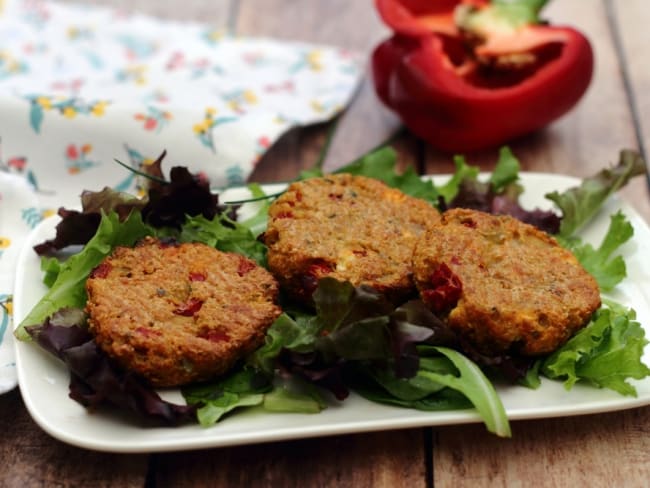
43	380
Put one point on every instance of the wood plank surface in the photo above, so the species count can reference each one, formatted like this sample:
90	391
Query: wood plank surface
30	457
630	24
594	450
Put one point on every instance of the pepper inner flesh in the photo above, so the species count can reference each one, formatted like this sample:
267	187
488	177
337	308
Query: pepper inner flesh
501	71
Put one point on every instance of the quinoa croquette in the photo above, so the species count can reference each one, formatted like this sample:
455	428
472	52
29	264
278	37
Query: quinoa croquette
503	286
348	227
179	313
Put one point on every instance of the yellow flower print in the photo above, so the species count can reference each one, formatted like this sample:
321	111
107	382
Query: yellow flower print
202	127
213	36
5	242
314	60
99	108
44	102
138	74
6	303
148	161
69	112
211	111
317	106
48	212
249	96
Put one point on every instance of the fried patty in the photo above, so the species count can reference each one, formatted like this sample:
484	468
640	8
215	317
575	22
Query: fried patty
504	286
348	227
179	313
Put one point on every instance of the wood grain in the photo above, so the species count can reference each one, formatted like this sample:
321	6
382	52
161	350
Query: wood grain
573	451
30	457
366	460
630	21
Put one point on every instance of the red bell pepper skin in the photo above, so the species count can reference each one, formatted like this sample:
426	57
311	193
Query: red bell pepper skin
457	104
421	17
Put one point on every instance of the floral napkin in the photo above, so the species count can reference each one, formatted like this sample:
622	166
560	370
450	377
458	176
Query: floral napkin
82	86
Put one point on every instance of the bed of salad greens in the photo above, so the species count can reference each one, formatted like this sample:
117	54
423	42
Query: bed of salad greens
353	339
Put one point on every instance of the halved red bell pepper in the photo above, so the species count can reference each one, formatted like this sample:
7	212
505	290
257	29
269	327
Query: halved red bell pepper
478	74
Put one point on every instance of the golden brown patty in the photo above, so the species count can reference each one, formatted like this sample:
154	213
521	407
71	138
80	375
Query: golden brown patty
348	227
506	286
179	313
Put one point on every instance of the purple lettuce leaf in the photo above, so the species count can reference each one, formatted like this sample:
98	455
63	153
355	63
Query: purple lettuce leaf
78	227
94	379
476	195
166	205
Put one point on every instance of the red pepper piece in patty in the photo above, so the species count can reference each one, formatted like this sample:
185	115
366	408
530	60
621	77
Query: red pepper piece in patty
318	269
215	336
446	289
189	308
102	270
197	276
245	266
482	74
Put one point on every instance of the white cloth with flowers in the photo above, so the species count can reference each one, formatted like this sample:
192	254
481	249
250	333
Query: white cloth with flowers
82	86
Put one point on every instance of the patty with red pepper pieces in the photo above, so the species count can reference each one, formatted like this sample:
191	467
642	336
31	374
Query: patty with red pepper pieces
504	286
352	228
179	313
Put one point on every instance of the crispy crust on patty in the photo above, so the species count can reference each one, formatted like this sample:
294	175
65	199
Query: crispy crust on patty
179	313
348	227
516	289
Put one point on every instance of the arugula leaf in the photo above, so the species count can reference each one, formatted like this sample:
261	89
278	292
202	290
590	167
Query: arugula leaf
295	397
580	204
608	271
242	388
472	383
605	353
441	370
68	289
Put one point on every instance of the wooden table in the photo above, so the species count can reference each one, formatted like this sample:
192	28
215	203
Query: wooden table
594	450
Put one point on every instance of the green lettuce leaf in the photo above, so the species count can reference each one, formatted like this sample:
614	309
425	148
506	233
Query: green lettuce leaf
258	222
242	388
580	204
381	165
68	281
463	172
294	397
608	270
224	234
441	370
472	383
506	170
604	354
296	334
